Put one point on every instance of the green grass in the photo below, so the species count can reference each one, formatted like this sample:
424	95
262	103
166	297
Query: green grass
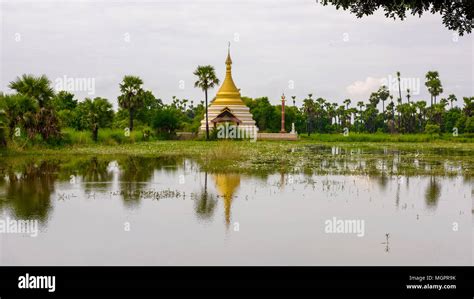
222	148
308	156
106	137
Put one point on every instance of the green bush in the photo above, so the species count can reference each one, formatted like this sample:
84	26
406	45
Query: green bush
469	127
71	136
432	129
106	136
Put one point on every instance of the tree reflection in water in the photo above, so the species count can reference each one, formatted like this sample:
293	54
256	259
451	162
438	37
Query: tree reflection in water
26	186
28	189
205	203
433	192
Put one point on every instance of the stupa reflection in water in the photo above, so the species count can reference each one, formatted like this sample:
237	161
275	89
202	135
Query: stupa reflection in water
227	185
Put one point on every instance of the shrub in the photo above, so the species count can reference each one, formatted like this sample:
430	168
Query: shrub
71	136
432	129
469	127
166	122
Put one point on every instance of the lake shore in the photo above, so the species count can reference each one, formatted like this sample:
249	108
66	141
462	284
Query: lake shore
265	156
193	147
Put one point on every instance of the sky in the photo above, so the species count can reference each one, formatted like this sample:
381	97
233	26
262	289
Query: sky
292	47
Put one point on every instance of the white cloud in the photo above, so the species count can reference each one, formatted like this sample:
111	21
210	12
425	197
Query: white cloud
362	89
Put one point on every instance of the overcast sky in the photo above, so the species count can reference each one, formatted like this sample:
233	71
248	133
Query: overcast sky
296	47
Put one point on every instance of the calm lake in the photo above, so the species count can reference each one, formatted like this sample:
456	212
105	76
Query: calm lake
138	210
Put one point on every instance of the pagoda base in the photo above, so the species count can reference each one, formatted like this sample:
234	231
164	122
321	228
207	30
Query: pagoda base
241	112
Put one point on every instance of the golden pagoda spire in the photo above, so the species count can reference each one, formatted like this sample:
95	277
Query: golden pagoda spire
228	94
228	61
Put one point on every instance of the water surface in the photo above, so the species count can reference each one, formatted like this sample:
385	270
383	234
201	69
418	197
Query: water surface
137	210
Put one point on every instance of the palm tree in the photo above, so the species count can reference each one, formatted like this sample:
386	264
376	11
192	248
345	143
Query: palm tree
44	120
393	105
206	79
452	98
383	94
131	97
399	87
309	109
97	114
18	109
294	101
408	95
468	106
433	83
391	115
37	88
399	101
421	105
206	203
347	102
360	104
341	114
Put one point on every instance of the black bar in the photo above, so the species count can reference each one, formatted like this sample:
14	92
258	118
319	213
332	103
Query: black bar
220	282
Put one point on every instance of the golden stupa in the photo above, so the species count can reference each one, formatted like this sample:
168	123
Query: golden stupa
227	106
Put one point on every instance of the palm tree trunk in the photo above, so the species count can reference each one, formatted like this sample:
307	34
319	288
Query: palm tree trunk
130	122
205	183
400	90
207	120
95	132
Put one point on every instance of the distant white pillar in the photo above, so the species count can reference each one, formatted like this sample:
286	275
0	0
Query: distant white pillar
293	128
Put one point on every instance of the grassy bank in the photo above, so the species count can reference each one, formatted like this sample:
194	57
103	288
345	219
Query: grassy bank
143	139
135	145
269	156
390	138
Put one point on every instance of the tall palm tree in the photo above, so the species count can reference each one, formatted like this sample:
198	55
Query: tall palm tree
37	88
399	87
132	96
383	94
347	102
421	106
433	83
206	79
398	108
360	104
341	115
309	109
452	98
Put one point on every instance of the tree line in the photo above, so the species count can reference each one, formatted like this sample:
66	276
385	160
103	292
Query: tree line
34	111
398	114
